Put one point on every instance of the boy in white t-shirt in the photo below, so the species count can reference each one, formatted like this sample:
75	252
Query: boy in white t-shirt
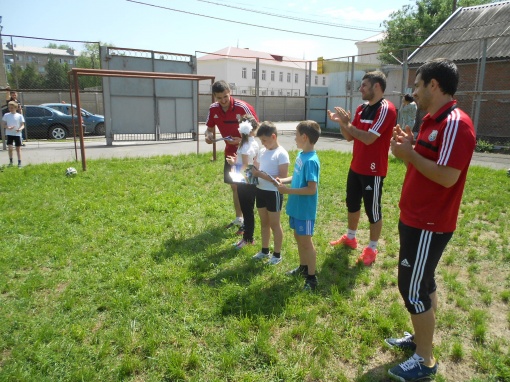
13	123
273	162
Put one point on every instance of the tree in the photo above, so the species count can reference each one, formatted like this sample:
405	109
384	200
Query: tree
61	46
56	74
408	27
28	78
89	59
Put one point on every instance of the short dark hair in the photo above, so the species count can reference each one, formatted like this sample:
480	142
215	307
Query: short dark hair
376	77
408	98
220	86
311	129
442	70
267	129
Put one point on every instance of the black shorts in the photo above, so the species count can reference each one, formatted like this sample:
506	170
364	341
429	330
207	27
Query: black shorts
15	139
226	169
367	188
270	200
420	251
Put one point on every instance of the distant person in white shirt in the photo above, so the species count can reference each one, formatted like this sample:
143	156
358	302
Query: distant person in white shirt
13	123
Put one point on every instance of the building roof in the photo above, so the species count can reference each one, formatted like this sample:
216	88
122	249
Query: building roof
37	50
459	37
244	54
372	39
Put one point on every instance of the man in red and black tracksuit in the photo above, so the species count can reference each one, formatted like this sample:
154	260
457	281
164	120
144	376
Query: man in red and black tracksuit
437	167
225	114
371	131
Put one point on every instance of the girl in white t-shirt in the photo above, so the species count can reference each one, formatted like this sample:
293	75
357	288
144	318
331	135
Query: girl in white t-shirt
247	153
273	164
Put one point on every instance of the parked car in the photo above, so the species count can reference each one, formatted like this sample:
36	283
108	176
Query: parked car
45	122
94	123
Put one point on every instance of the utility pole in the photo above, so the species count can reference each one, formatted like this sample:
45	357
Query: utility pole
3	72
454	6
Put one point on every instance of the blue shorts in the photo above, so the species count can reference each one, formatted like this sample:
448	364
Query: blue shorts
302	227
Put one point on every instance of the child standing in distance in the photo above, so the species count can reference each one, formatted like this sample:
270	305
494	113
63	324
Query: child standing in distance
247	153
303	198
14	123
273	163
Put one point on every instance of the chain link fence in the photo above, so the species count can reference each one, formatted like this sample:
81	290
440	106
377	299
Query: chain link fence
38	70
281	89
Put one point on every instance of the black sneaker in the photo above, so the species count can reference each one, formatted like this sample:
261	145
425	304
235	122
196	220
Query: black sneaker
240	230
413	370
236	222
302	270
404	343
310	284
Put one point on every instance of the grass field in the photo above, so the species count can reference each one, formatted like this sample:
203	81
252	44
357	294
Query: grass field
125	273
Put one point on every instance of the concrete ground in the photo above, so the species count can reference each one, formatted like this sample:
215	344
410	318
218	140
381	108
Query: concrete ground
47	151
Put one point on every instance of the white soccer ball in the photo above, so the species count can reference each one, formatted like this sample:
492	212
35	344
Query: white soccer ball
71	171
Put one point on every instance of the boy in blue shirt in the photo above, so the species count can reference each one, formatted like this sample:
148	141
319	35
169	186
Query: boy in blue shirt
303	198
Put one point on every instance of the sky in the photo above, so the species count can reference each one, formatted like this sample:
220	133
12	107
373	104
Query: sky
202	26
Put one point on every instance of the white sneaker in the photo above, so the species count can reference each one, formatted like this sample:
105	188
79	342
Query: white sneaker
274	260
238	221
261	255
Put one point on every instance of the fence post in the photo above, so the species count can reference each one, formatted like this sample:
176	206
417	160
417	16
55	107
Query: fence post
257	76
479	84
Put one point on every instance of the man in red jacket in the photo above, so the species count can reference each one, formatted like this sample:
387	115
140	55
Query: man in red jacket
429	205
225	114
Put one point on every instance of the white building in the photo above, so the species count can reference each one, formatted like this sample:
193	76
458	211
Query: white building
279	75
24	55
368	48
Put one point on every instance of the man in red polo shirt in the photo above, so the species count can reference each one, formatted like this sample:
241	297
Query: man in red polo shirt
371	131
225	114
429	204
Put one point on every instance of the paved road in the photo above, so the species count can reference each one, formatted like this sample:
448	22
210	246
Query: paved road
47	151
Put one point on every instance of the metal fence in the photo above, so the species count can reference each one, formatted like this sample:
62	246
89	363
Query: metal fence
484	90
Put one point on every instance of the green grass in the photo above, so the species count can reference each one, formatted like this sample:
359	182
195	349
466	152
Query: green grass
124	273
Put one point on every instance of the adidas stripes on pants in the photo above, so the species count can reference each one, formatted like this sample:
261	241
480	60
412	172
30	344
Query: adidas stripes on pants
366	187
420	252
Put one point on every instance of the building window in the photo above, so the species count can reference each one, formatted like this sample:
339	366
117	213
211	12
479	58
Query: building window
243	73
324	81
272	75
280	92
41	69
288	77
263	75
281	77
272	92
254	74
288	93
243	91
316	80
296	78
70	62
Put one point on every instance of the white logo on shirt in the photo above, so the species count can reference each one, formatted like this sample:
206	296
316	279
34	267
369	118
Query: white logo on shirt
216	116
433	136
368	188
